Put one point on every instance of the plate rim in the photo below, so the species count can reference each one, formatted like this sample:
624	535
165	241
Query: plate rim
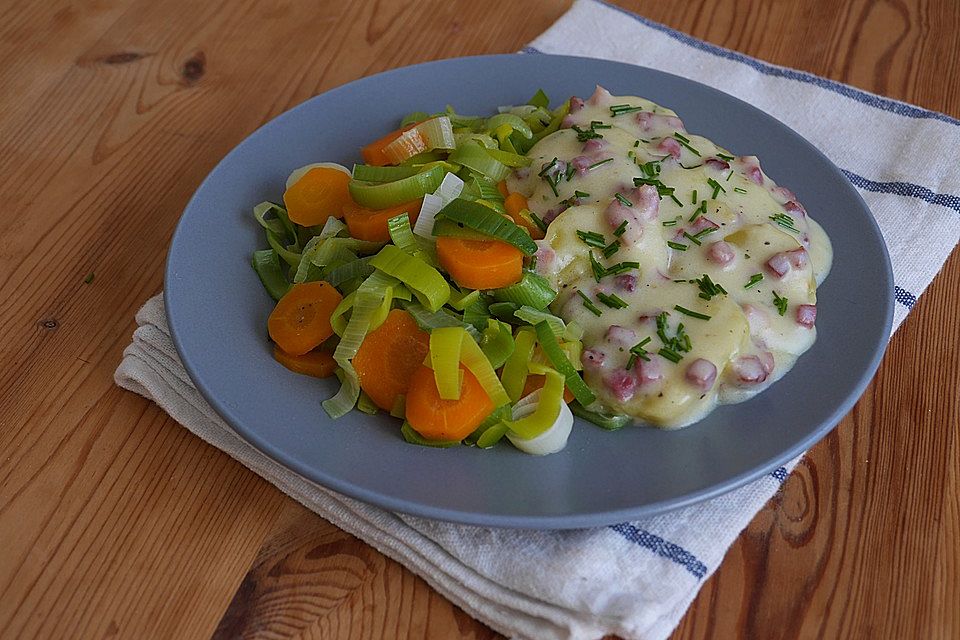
553	522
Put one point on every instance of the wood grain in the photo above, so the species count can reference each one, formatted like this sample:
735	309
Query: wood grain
115	522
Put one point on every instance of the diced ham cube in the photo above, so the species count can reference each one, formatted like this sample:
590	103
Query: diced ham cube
601	97
648	371
749	370
621	335
806	315
575	104
717	163
701	374
779	264
582	164
594	146
592	358
720	253
621	383
627	282
669	146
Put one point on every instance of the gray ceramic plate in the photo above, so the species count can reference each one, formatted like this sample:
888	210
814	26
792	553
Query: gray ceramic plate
218	310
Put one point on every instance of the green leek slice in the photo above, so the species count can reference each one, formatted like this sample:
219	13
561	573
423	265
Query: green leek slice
497	342
513	121
547	411
484	220
435	133
473	359
267	265
368	173
514	373
475	157
533	290
423	280
402	235
548	343
607	421
535	316
382	195
445	347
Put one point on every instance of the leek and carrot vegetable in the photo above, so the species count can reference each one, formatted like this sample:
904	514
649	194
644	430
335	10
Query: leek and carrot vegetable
422	300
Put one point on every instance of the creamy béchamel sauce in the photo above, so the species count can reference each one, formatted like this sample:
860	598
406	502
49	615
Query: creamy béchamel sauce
722	217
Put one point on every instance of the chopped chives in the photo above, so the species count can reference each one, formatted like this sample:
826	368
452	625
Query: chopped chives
724	156
692	314
546	167
599	124
780	303
625	202
670	223
611	249
708	288
739	190
618	109
674	198
586	134
537	221
598	270
569	172
620	229
597	164
676	245
670	355
691	238
592	239
612	300
580	194
686	143
636	144
754	279
729	175
704	232
588	303
717	188
693	197
637	351
621	267
785	221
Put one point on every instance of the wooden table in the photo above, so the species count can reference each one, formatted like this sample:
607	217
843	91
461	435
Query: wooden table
116	522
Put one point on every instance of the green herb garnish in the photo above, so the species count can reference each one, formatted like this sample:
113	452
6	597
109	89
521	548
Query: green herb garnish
620	109
785	221
692	314
611	249
717	188
592	239
739	190
588	303
538	221
754	279
686	143
676	245
612	300
620	229
625	202
780	303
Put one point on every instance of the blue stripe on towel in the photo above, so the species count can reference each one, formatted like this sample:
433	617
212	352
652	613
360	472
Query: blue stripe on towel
662	548
904	297
908	189
869	99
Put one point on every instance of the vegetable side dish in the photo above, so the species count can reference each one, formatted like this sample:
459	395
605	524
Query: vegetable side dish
490	277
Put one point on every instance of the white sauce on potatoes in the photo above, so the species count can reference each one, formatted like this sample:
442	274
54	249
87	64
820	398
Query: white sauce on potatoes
747	225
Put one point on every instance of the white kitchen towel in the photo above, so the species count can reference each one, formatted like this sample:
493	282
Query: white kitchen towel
633	579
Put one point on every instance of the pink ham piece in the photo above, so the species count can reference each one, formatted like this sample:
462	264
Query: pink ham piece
601	97
649	121
782	195
702	223
648	371
592	358
626	282
795	207
621	383
575	104
717	163
594	146
806	315
780	264
749	370
701	374
545	256
582	164
720	253
621	335
766	359
522	173
751	169
646	207
670	146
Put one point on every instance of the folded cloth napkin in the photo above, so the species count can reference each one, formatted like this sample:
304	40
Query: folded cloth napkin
633	579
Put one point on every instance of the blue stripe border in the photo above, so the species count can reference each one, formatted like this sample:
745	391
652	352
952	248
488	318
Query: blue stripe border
662	548
870	99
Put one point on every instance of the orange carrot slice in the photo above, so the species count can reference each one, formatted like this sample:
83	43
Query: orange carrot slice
515	204
437	419
388	356
301	319
319	364
320	193
373	153
480	264
371	224
502	188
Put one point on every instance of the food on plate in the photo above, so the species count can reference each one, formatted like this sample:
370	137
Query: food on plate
488	278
